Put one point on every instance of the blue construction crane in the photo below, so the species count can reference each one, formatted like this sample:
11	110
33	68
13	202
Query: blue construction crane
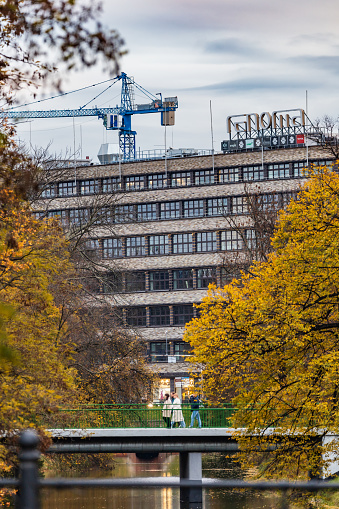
116	119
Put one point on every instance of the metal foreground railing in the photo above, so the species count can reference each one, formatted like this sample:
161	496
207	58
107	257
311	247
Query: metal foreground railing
29	485
132	416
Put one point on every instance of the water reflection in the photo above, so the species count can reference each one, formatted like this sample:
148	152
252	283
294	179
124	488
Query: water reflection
214	465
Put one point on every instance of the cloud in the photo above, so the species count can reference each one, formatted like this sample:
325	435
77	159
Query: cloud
234	47
324	63
249	84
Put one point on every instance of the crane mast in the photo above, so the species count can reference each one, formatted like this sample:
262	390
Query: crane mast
117	118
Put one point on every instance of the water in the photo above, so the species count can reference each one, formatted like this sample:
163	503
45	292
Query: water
214	465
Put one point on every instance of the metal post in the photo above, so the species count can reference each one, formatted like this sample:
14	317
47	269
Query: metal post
28	495
190	470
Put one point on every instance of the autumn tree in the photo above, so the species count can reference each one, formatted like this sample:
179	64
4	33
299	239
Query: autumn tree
35	376
272	338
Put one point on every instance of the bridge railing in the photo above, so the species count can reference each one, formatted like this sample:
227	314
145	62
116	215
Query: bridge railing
132	416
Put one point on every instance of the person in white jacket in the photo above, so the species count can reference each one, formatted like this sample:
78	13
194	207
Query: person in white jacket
167	410
177	415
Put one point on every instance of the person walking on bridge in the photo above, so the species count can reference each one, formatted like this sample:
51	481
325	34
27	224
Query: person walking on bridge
167	410
195	403
177	415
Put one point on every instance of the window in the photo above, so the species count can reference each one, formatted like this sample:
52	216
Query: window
135	281
279	171
159	315
251	239
159	280
79	216
103	215
182	243
181	179
48	192
206	241
112	248
269	201
112	282
253	173
63	215
170	210
206	277
135	246
298	168
228	175
124	214
181	350
182	314
288	196
91	248
134	183
136	316
158	351
203	177
239	205
90	186
158	245
230	240
217	206
111	184
157	181
193	208
182	279
67	188
147	212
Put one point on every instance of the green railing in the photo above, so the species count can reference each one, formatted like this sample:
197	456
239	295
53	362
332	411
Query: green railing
133	416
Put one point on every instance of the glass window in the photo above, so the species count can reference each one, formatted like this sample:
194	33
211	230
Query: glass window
298	168
279	171
112	282
63	215
135	246
112	248
206	241
182	279
251	239
206	277
147	212
217	206
182	314
239	205
111	184
158	351
269	201
170	210
193	208
203	177
159	315
253	173
182	243
135	281
67	188
136	316
90	186
79	216
182	350
181	179
288	196
134	183
230	240
158	245
158	181
103	215
159	280
228	175
48	192
124	214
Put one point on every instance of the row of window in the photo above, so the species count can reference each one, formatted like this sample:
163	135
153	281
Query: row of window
177	179
175	243
155	316
204	207
163	280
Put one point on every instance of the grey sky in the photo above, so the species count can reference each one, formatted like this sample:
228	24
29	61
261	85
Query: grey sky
244	56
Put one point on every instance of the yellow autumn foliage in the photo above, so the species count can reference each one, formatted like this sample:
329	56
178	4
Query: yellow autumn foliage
270	341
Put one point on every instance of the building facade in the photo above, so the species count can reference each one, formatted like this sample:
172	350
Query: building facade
166	228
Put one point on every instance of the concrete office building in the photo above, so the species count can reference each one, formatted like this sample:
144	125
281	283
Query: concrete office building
170	233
